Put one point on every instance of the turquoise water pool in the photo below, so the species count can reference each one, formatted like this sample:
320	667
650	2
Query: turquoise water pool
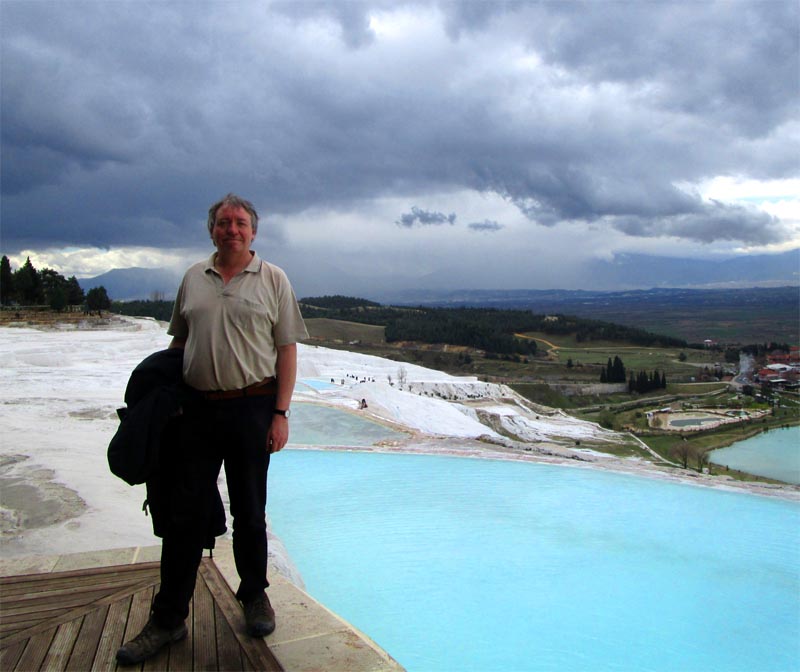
774	454
315	384
317	425
459	564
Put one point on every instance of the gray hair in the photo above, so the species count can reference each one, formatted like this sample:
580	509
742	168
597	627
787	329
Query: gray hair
236	202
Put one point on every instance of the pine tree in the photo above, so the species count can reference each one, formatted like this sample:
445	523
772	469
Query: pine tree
28	285
6	281
75	295
97	299
57	299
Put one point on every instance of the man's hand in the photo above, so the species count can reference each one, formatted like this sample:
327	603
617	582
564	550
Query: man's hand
278	434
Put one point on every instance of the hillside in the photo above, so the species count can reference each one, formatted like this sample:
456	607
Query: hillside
734	316
492	330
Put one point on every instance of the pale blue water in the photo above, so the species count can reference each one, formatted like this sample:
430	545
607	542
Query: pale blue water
774	454
459	564
324	426
315	384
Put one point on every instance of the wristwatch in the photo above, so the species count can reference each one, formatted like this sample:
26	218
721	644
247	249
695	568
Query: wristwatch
285	413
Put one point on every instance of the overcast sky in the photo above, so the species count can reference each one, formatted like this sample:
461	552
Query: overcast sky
496	143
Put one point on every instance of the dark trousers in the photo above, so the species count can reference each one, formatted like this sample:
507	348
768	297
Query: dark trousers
232	432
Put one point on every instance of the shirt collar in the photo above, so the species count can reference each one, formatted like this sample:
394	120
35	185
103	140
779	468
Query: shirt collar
253	267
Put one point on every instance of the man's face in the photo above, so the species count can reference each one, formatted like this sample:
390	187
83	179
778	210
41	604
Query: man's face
233	231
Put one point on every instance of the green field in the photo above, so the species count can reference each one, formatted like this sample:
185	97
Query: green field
636	358
533	377
324	329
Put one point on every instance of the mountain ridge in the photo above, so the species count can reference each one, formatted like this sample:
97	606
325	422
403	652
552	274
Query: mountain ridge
625	272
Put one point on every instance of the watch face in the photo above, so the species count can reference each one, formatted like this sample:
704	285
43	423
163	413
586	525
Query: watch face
285	413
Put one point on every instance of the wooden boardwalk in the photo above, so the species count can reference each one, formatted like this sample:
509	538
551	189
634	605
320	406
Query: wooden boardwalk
77	620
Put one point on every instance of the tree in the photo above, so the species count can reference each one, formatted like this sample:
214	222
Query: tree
57	299
28	285
53	283
75	295
6	281
97	299
701	456
682	451
619	370
615	371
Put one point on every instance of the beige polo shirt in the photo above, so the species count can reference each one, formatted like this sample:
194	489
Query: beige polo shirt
232	331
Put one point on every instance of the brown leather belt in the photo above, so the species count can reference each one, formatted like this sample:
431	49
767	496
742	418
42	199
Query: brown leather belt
267	387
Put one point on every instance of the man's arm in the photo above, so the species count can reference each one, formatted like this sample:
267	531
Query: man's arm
286	373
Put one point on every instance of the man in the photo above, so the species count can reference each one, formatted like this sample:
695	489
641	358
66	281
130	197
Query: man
238	322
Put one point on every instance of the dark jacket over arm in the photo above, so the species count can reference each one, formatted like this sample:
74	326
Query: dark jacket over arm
149	430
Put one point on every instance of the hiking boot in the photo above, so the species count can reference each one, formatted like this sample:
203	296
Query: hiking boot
148	643
259	616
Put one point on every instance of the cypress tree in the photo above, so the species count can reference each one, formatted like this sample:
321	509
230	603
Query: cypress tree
6	281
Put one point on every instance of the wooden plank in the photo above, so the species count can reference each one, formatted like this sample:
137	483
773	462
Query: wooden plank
229	653
55	621
139	613
44	603
112	636
61	647
87	636
205	641
11	583
180	653
34	583
12	625
88	640
161	661
10	655
36	650
253	648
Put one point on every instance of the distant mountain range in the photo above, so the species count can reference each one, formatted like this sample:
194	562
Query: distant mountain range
624	272
130	284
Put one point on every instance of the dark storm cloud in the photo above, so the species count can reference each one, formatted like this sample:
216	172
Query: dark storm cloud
735	61
485	226
419	217
122	121
713	222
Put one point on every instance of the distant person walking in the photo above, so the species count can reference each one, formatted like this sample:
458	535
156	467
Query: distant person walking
237	319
